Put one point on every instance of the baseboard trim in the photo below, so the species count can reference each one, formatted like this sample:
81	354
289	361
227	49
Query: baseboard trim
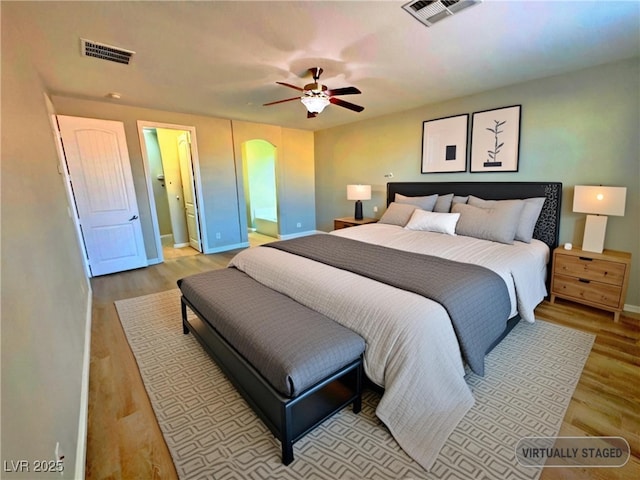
81	448
632	308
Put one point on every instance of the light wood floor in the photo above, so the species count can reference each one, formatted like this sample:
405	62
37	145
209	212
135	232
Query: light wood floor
170	253
125	442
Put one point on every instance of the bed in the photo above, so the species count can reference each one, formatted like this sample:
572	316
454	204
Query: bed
416	348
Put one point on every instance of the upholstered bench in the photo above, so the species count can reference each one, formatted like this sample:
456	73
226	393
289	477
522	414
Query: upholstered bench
294	366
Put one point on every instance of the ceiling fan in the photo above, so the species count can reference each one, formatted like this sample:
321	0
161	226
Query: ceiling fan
316	96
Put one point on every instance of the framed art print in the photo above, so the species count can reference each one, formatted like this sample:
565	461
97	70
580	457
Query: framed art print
495	140
444	144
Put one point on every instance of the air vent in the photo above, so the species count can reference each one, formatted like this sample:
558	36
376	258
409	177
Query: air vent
106	52
429	12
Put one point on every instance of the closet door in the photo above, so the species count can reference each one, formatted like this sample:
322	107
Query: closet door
189	191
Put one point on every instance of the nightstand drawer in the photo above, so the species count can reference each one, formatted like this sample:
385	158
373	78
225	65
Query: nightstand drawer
338	224
346	222
587	290
591	269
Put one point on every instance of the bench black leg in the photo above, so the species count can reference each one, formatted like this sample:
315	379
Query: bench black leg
286	433
183	305
357	402
287	453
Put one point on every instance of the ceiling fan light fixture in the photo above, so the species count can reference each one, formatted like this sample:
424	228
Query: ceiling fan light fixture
315	103
315	96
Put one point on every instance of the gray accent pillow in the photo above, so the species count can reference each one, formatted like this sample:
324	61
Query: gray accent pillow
397	214
443	204
528	219
497	223
526	223
425	203
458	199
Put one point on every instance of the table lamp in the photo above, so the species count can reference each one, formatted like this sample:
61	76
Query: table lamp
597	202
358	193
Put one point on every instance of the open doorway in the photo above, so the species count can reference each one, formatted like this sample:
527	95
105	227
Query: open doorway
260	189
170	164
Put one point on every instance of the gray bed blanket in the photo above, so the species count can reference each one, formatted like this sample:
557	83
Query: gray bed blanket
475	298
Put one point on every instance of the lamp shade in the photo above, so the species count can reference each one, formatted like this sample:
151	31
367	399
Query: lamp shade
358	192
599	200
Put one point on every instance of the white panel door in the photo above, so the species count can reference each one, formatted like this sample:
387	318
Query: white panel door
102	183
189	194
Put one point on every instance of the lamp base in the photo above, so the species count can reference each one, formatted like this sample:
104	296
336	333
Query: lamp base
358	214
594	230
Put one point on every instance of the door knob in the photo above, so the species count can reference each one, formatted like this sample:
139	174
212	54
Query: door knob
135	217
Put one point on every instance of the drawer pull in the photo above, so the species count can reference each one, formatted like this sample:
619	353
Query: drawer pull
584	281
586	259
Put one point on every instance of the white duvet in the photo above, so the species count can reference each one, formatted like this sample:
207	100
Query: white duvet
411	348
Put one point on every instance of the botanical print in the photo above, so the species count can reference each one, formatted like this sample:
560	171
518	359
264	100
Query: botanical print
492	161
495	140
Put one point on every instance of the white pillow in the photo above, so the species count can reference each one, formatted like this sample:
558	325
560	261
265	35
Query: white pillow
433	222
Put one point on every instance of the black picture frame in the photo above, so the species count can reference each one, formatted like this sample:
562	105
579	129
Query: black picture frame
444	144
495	140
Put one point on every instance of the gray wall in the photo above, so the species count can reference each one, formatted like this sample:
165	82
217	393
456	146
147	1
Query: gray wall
579	128
45	294
159	187
46	297
294	170
215	151
220	161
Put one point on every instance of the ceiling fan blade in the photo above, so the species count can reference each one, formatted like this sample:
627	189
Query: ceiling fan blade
343	91
342	103
281	101
311	115
289	85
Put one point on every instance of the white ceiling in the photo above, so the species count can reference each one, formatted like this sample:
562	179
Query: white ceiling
222	59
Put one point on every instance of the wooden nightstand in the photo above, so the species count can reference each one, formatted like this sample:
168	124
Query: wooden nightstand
345	222
596	279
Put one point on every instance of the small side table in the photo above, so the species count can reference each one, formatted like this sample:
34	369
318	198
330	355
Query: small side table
346	222
596	279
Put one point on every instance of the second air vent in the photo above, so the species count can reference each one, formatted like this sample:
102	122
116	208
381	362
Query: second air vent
106	52
429	12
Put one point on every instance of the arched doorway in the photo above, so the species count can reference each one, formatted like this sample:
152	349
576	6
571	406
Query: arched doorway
260	187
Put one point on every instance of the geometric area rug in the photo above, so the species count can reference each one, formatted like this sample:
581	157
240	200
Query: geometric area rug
213	434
